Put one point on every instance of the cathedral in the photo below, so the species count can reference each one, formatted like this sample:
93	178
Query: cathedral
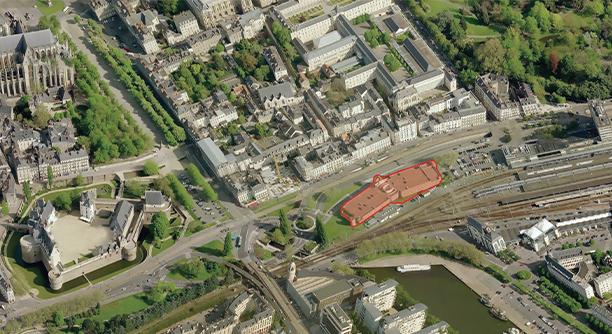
31	62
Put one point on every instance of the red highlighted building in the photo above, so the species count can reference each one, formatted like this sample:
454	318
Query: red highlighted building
396	188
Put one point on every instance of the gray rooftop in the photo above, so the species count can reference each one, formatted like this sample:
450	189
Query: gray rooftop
154	197
276	91
378	288
22	42
119	219
436	328
183	17
405	313
331	290
212	152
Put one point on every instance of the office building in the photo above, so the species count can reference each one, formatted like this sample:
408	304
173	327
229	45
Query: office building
335	321
485	236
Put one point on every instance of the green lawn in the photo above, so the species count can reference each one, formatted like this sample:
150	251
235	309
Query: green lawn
51	197
267	255
127	305
474	26
176	273
277	212
338	226
333	195
108	192
571	19
57	6
189	233
164	245
214	247
269	204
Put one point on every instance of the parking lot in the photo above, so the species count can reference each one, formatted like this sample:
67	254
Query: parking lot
475	159
206	211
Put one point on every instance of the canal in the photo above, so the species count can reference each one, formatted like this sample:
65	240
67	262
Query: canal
447	298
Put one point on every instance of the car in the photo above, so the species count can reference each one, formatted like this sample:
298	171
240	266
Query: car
127	49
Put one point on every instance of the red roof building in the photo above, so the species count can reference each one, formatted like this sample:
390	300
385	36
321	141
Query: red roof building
396	188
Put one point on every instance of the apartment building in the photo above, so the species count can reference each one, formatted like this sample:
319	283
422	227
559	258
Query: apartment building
444	123
210	13
567	278
252	23
326	160
493	91
406	321
374	141
261	323
279	95
335	321
6	289
599	113
491	240
330	54
186	23
102	9
603	284
275	61
602	313
439	328
205	41
568	258
220	163
529	102
382	295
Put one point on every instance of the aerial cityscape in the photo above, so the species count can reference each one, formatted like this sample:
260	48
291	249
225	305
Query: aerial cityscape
305	166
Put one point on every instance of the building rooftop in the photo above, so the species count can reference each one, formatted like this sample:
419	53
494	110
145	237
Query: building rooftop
183	17
331	290
338	313
154	197
378	288
275	91
213	153
21	42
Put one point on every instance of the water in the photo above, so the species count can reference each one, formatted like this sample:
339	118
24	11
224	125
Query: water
447	298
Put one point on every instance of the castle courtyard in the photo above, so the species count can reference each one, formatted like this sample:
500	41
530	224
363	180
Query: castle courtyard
76	238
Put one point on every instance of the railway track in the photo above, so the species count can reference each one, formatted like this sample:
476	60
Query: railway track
434	214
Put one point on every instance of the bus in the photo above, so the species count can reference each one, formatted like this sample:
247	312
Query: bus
239	241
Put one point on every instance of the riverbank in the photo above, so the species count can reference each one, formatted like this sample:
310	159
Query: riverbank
477	280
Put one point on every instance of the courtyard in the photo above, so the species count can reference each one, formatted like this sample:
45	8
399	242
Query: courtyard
77	239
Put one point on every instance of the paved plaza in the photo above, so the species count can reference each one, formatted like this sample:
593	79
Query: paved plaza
76	238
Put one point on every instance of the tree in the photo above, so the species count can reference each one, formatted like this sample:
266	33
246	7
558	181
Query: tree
278	236
168	7
523	274
506	138
229	277
541	15
160	224
386	38
25	100
150	168
193	268
320	233
341	268
134	189
220	48
446	159
77	19
289	250
285	227
50	176
5	208
26	191
63	202
44	23
58	319
41	116
78	180
554	60
490	55
228	246
592	241
463	23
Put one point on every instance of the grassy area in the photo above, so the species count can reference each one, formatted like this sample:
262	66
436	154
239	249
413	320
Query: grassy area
136	262
52	196
86	257
334	195
214	247
127	305
270	204
176	273
108	192
474	26
285	209
164	245
189	233
573	20
70	264
57	5
337	226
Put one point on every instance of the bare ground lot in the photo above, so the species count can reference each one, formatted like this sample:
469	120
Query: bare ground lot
76	238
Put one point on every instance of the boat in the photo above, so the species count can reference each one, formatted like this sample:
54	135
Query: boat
512	331
499	314
486	300
413	267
